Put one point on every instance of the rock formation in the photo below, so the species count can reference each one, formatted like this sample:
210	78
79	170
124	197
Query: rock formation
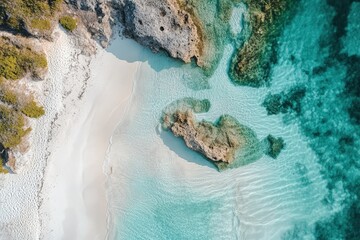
163	25
251	63
156	24
217	142
227	143
169	25
96	16
275	145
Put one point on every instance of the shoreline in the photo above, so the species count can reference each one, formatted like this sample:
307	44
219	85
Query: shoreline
63	173
83	185
107	169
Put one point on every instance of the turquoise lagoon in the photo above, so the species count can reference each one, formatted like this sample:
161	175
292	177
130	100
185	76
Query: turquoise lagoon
160	189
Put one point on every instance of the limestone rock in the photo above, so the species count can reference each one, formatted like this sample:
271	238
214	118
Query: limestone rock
162	25
217	142
227	143
96	16
156	24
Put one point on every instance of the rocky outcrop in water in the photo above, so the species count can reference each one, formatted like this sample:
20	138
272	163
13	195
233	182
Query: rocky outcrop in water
275	145
217	142
156	24
162	25
227	143
252	62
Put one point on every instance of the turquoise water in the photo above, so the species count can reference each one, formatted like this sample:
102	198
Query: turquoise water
162	190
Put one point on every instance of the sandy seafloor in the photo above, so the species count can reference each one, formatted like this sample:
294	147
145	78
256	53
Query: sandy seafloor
161	190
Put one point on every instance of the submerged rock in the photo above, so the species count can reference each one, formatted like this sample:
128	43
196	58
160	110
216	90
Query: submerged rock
184	105
227	143
275	145
285	102
252	62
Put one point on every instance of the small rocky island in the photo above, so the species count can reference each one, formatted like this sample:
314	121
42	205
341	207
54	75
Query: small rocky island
227	143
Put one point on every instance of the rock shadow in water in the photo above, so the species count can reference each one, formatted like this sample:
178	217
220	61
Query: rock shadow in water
178	146
130	51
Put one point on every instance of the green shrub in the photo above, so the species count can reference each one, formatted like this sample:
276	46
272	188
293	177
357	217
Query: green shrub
12	127
8	96
22	15
55	4
31	109
16	61
41	24
39	61
14	23
3	170
9	67
68	23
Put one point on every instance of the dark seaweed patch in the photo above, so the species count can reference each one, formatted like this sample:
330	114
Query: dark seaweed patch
285	102
333	127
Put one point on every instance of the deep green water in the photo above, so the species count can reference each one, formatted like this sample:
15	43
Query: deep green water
162	190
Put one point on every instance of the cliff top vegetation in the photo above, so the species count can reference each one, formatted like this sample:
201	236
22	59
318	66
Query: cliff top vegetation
29	17
16	60
17	103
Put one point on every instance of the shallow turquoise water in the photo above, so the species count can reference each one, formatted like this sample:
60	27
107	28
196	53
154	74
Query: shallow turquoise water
162	190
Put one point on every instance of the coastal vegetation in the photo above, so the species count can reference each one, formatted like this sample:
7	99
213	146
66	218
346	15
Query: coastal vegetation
17	60
3	170
68	22
12	127
251	63
15	106
23	20
32	109
41	24
29	17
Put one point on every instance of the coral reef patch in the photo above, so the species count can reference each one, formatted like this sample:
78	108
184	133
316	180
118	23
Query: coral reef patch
285	102
275	145
251	63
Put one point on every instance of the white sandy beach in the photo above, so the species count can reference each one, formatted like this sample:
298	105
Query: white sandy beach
60	194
